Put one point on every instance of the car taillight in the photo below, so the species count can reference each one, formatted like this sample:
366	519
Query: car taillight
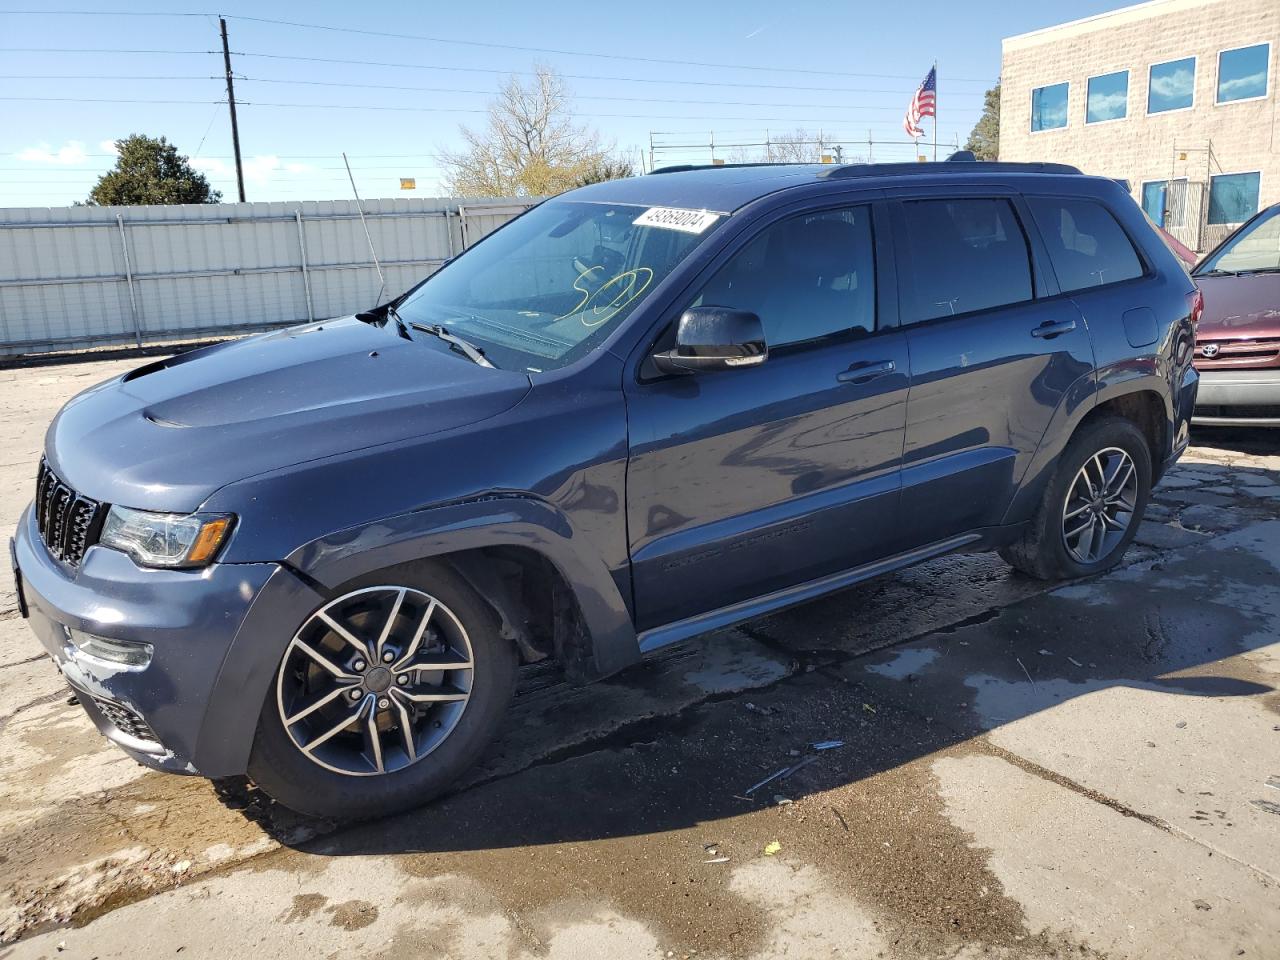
1195	305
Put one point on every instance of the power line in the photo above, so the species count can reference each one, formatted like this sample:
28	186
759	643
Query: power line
489	93
184	53
98	76
488	70
490	45
400	109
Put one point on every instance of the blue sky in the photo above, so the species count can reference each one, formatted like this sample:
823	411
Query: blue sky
684	71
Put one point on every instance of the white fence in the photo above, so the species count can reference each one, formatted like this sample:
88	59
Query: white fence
73	277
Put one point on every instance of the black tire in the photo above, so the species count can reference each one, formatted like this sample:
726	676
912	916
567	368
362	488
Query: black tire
280	768
1042	551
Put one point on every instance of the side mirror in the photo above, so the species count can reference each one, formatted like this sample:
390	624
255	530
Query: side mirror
714	338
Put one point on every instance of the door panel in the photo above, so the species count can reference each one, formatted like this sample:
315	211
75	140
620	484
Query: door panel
983	391
985	382
742	482
747	481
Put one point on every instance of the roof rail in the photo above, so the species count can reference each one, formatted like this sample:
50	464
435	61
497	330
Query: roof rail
683	167
852	171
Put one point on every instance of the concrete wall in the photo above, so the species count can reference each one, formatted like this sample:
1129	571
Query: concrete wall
73	277
1245	135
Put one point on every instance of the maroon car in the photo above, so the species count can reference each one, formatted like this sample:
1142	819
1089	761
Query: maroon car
1238	339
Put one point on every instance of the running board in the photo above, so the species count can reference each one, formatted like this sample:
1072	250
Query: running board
658	637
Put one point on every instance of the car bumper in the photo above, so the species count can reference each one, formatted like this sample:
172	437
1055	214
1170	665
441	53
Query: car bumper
1232	398
215	635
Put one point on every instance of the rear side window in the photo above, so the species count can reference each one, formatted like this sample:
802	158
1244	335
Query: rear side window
808	277
1087	247
966	254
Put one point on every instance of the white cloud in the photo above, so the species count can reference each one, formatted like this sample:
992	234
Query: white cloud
1254	85
69	154
1108	106
108	146
1176	85
258	170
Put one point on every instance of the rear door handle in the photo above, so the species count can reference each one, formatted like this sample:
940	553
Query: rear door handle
867	371
1049	329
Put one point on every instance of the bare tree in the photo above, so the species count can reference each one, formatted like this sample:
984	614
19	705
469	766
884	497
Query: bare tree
798	146
530	145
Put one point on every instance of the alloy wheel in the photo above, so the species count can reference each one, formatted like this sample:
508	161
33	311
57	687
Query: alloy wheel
1100	505
375	680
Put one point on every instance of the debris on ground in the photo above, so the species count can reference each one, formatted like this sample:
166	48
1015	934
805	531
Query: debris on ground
780	774
772	847
827	744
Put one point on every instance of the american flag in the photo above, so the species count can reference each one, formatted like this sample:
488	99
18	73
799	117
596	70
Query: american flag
923	104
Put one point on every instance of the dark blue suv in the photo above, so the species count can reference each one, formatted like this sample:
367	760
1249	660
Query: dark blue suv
643	410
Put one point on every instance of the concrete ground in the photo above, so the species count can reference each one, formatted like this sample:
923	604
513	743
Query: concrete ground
1027	770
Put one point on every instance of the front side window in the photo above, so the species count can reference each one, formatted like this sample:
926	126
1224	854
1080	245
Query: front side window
1233	197
1242	73
1172	85
808	277
544	290
1049	107
1108	97
1254	249
1087	247
966	254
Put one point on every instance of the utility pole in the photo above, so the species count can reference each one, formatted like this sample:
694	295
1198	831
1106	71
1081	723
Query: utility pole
231	102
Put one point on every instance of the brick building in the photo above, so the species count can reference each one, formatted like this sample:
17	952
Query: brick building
1177	97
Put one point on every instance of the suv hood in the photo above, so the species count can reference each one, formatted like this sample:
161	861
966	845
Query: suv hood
168	434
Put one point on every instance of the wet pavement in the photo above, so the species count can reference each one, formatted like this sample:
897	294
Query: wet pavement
1027	770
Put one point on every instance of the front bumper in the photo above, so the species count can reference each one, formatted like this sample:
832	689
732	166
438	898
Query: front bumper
1238	398
216	634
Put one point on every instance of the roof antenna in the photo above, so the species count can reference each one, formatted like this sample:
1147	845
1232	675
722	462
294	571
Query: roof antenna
360	207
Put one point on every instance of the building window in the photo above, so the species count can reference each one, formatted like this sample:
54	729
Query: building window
1108	97
1242	73
1165	202
1233	197
1172	85
1049	107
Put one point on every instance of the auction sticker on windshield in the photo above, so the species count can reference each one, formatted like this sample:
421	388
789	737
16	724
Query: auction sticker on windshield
673	218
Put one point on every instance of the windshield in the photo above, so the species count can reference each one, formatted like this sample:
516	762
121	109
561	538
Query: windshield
544	290
1255	248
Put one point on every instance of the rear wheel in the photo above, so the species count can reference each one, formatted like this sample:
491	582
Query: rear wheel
383	696
1091	507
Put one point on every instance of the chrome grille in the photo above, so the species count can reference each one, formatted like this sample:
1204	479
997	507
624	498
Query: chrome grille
69	523
1238	352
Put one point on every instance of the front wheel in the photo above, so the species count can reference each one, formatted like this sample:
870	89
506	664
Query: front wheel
383	696
1091	507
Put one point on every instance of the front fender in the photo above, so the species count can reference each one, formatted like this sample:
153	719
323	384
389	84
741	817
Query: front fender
498	520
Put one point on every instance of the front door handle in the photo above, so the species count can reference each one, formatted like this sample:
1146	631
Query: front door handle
867	371
1050	329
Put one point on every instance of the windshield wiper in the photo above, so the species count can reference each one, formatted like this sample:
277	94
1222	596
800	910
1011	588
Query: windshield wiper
467	349
1218	273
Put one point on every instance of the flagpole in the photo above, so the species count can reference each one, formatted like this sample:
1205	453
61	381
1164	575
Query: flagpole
935	111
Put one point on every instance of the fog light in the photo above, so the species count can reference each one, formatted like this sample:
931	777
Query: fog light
123	653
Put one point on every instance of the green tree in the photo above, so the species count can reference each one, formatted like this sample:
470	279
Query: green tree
604	168
150	170
984	140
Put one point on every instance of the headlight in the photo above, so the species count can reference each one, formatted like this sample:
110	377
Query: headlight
166	539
